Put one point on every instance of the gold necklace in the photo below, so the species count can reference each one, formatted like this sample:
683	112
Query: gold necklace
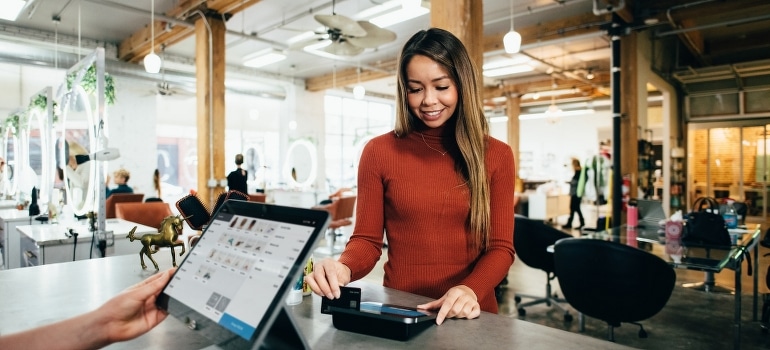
426	144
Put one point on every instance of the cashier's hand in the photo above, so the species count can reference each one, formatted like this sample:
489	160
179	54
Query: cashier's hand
458	302
133	312
327	277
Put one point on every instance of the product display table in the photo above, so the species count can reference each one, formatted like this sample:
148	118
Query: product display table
48	244
44	294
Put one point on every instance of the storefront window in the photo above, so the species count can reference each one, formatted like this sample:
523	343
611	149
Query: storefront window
349	124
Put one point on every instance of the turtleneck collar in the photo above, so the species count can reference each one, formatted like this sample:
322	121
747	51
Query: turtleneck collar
439	132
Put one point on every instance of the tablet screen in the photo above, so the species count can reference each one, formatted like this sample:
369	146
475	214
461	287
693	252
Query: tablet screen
241	267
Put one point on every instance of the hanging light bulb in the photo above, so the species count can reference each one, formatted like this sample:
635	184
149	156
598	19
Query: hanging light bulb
152	60
359	91
512	40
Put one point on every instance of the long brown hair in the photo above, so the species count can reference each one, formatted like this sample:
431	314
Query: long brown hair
470	126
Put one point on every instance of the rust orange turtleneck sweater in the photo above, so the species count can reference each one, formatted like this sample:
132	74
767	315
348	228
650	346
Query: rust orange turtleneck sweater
411	192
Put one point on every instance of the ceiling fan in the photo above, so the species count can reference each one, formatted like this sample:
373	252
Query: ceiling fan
348	37
163	88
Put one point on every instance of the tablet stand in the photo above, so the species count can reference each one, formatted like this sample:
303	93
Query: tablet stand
283	334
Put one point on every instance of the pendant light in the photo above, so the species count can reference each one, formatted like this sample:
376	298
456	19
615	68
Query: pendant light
152	60
512	40
359	91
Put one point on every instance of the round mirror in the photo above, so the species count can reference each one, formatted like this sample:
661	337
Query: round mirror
39	172
10	153
78	135
301	164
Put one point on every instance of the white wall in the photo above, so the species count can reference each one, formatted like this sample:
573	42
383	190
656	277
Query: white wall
552	145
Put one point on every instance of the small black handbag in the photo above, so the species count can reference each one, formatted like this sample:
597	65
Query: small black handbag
705	225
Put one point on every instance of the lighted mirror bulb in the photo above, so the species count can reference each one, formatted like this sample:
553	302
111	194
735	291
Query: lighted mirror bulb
152	62
358	92
512	42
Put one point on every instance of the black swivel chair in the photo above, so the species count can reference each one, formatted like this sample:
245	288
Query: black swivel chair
612	282
531	240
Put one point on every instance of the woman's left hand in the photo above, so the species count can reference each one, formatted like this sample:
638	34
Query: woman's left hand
458	302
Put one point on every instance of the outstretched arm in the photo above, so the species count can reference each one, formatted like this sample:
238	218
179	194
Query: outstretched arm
126	316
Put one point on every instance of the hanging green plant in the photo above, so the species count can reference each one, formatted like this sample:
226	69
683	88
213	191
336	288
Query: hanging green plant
41	102
89	84
15	121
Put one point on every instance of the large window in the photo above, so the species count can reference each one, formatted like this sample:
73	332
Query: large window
350	123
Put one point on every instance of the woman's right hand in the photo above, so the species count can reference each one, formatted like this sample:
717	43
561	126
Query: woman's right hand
327	277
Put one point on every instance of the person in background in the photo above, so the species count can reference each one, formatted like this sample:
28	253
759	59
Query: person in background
156	187
126	316
2	175
121	179
438	188
78	171
236	180
576	196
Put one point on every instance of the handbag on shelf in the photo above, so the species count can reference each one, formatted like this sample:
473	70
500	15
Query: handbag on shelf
705	225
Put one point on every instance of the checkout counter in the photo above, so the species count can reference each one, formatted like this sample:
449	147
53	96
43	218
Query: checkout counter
45	294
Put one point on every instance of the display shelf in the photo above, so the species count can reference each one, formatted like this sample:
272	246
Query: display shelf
678	181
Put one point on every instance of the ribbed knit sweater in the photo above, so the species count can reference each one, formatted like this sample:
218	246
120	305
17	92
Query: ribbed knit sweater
410	192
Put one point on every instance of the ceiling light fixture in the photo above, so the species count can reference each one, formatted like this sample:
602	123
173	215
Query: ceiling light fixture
359	91
512	40
590	75
409	9
571	113
152	60
11	9
263	57
549	93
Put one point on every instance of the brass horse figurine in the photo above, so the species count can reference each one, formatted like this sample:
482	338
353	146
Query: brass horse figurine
166	237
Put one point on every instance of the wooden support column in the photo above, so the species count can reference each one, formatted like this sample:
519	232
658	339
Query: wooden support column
210	80
513	109
629	107
465	19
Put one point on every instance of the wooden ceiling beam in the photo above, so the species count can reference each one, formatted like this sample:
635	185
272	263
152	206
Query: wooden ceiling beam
137	45
349	76
564	28
554	30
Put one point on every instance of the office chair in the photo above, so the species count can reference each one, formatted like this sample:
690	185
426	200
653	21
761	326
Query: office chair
341	210
116	198
531	240
612	282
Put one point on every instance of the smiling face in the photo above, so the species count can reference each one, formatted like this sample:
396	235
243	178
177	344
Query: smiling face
431	93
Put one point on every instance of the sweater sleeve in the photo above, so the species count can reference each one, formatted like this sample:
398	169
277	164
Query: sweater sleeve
364	248
494	263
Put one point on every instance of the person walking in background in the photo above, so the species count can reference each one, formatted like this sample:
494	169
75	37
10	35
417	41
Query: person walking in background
437	187
121	177
576	196
236	180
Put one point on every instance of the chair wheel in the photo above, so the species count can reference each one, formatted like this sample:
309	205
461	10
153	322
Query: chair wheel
517	299
522	312
567	317
642	333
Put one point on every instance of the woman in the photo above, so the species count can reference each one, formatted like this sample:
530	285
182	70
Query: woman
575	197
439	188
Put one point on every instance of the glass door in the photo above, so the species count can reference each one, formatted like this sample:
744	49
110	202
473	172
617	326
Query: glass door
730	163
